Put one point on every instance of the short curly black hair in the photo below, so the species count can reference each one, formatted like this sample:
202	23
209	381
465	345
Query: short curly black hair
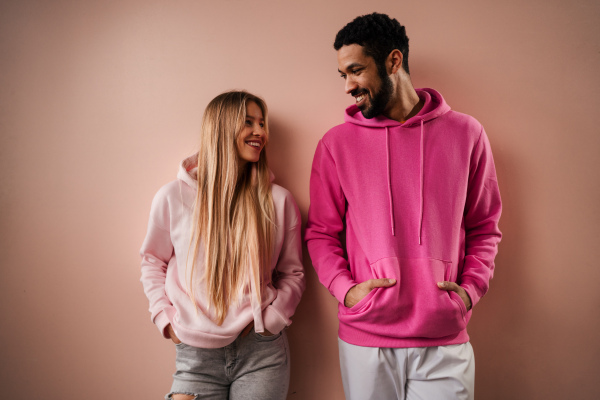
378	34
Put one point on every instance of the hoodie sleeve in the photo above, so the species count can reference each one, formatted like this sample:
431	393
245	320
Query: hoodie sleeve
482	213
288	277
325	223
157	253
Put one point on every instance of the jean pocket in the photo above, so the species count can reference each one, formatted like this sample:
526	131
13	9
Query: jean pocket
263	338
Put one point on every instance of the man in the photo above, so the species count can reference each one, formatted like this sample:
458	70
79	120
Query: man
410	187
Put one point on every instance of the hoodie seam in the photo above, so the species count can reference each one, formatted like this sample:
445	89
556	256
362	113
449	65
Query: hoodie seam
156	224
473	154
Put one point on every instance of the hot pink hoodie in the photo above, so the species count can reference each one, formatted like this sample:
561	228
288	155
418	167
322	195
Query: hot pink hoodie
165	251
419	203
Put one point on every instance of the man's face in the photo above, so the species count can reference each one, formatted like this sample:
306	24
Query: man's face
370	86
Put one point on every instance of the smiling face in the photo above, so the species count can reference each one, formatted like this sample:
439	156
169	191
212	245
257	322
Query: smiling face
370	86
253	136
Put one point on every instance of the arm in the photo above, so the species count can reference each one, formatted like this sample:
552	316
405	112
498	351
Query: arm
157	253
325	223
288	277
482	213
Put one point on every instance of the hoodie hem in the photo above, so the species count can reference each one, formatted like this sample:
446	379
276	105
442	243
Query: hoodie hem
369	339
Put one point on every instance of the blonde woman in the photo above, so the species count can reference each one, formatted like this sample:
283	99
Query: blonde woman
222	261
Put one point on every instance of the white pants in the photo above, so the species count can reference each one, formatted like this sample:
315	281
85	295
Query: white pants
415	373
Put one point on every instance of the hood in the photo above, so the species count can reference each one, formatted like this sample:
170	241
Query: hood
434	106
188	171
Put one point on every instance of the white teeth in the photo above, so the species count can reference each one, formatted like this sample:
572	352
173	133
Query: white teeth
254	144
360	98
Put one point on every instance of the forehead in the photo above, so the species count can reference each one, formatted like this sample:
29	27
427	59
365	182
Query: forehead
253	110
352	54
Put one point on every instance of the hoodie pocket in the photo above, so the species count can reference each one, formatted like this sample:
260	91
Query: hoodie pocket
414	306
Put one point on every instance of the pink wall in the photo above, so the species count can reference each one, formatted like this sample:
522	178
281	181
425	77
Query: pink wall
100	100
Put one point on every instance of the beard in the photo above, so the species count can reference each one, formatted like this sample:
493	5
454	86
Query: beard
379	101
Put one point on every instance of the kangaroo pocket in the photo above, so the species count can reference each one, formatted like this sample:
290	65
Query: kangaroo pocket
414	306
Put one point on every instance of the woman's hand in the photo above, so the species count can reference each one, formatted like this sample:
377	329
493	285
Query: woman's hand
172	334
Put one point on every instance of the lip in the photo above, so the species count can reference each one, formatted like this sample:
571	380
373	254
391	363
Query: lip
361	102
250	142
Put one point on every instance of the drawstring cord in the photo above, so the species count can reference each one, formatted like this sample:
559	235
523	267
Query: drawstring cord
389	181
255	304
389	177
421	183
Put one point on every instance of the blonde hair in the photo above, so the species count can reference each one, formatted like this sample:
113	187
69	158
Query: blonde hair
233	219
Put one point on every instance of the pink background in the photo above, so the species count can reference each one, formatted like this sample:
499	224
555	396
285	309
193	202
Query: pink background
100	100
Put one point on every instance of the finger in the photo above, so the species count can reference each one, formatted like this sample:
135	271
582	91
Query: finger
384	282
446	285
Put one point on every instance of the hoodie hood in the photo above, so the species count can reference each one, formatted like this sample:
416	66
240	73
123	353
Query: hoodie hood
188	171
433	107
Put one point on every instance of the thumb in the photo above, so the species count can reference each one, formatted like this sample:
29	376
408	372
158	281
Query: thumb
446	285
384	282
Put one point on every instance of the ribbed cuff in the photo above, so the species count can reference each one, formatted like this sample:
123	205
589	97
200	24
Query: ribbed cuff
340	286
472	291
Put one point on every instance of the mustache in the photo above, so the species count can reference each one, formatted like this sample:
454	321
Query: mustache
356	92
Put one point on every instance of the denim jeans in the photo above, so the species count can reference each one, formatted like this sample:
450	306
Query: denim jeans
252	367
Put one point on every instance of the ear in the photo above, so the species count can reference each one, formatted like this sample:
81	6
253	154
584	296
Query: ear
394	61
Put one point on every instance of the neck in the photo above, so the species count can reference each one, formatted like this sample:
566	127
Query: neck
406	103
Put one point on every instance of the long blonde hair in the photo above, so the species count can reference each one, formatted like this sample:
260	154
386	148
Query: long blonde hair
233	219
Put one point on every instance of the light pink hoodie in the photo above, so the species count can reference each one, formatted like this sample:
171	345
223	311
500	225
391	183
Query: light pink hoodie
165	251
419	203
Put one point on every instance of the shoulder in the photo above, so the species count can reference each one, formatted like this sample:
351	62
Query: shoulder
337	133
167	191
285	205
173	193
463	122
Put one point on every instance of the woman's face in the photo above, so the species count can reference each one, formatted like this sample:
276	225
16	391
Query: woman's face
253	138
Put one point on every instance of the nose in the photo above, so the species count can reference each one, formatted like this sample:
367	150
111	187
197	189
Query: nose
259	131
350	84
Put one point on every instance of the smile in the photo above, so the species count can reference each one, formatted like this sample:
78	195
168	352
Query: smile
256	144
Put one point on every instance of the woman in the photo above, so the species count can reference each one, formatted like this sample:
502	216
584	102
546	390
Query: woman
222	261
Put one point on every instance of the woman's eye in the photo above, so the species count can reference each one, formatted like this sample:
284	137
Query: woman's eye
248	122
262	125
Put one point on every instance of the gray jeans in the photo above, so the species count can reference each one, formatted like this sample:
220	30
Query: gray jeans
252	367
